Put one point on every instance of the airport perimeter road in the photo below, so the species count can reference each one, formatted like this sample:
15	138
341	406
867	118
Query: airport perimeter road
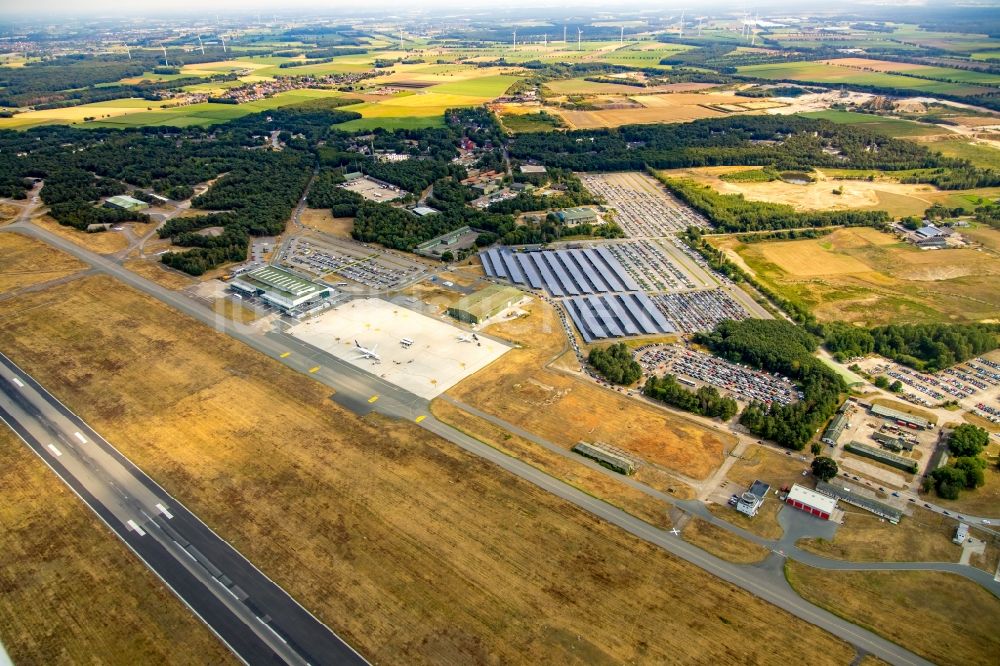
356	388
255	618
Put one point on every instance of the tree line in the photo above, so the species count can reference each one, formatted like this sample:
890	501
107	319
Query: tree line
705	401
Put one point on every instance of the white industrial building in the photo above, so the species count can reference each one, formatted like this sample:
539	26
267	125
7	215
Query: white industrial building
810	501
282	289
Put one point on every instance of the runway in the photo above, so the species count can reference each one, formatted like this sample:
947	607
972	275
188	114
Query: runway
254	617
355	387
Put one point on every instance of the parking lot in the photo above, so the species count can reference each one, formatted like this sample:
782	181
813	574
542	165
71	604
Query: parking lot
374	190
643	207
974	384
692	311
697	369
368	266
651	267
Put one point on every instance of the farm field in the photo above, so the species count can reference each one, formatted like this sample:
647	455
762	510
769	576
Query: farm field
981	154
942	617
564	410
74	593
818	72
931	72
27	262
426	108
207	113
76	114
864	276
898	199
894	127
580	86
670	108
431	556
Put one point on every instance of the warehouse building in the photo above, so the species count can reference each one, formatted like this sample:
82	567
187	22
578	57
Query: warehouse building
485	303
902	418
122	202
571	217
835	429
607	456
855	498
810	501
282	289
899	462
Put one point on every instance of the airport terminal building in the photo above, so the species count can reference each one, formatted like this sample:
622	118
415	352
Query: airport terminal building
282	289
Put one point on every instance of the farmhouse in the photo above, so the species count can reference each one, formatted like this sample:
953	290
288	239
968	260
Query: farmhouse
122	202
485	303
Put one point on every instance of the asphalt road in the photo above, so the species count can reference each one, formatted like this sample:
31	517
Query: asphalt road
356	388
254	617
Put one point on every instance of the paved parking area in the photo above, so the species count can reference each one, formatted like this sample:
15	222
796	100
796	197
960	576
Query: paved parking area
643	207
434	362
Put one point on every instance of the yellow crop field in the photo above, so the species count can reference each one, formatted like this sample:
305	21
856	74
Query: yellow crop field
75	114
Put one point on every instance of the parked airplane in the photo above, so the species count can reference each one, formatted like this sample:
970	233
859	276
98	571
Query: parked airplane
462	337
368	353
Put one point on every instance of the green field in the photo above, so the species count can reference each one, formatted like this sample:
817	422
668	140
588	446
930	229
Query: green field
893	127
529	122
982	155
486	87
817	72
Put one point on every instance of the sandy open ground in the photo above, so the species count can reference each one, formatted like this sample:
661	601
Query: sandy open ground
436	361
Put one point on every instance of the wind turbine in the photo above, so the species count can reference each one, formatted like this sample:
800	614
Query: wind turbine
545	40
223	38
127	50
621	39
564	33
401	39
165	62
200	45
579	39
699	26
681	34
514	43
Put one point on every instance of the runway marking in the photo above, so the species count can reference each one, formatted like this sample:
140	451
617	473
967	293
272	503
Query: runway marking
83	440
421	418
312	370
286	354
373	398
17	381
164	511
138	530
675	531
56	452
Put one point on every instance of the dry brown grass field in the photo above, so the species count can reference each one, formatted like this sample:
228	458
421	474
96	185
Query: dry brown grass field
323	220
723	543
565	410
898	199
71	592
594	483
942	617
764	524
25	261
409	548
105	242
864	537
154	270
669	108
9	211
868	277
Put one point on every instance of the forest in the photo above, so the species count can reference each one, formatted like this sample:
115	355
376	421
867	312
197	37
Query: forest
782	142
705	401
925	347
615	363
781	347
